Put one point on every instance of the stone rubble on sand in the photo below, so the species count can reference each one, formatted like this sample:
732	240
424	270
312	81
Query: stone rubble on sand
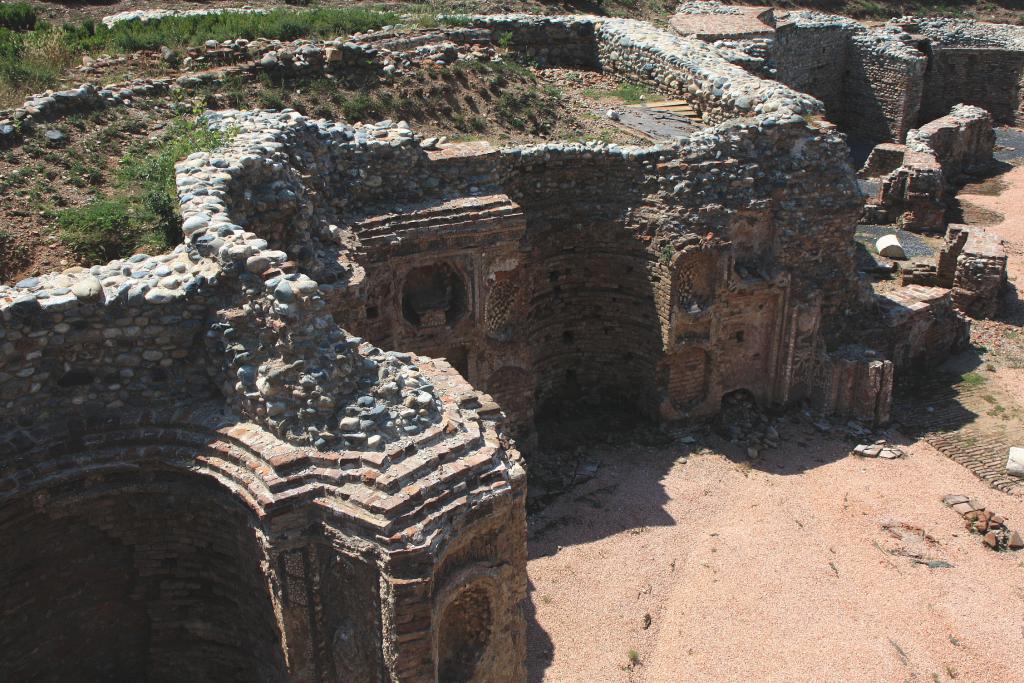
992	527
879	449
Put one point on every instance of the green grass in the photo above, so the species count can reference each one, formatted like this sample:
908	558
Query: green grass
973	379
141	210
630	93
18	16
34	60
283	24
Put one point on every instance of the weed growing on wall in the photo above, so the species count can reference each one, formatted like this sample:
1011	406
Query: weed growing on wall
141	212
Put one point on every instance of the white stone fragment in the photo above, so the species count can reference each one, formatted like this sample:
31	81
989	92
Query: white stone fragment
889	246
1015	461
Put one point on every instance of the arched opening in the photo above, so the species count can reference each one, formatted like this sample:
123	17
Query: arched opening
463	634
155	576
433	296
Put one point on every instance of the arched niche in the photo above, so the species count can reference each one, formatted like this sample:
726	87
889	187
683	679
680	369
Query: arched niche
463	633
696	273
434	295
157	574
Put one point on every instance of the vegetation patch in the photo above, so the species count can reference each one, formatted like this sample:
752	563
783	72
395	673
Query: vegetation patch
629	93
18	16
141	210
973	379
35	59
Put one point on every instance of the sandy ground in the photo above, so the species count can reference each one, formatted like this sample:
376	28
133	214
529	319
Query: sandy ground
1009	204
805	567
781	572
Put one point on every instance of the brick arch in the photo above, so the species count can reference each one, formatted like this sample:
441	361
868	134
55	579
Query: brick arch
128	559
468	627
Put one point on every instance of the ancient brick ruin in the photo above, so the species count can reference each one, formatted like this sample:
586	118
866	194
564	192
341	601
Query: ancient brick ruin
294	446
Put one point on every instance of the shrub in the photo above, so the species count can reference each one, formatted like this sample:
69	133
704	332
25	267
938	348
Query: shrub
18	16
99	231
357	108
143	209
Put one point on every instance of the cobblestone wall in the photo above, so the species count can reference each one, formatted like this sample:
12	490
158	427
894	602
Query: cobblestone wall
934	159
386	496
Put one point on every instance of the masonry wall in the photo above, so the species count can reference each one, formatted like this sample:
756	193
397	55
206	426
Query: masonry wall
987	77
162	578
870	83
66	355
590	320
882	90
814	61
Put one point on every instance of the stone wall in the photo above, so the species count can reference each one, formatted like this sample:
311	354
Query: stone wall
869	80
934	159
971	264
989	78
972	63
127	333
962	141
681	67
812	58
408	455
378	492
920	328
882	86
980	274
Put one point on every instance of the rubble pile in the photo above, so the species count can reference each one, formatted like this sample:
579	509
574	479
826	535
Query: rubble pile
992	527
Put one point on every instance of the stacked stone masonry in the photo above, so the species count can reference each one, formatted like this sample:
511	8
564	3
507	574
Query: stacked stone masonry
369	503
934	159
878	82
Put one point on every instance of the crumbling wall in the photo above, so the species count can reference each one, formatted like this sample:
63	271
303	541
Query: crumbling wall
980	274
919	327
974	63
112	336
936	155
962	140
869	79
986	77
129	578
639	52
812	58
971	264
406	448
856	382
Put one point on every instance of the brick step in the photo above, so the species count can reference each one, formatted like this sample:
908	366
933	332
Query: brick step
460	206
451	222
438	509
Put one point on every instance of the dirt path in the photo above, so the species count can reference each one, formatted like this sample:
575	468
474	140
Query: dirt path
782	573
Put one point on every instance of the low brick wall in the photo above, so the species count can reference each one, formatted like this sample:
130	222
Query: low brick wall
934	158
